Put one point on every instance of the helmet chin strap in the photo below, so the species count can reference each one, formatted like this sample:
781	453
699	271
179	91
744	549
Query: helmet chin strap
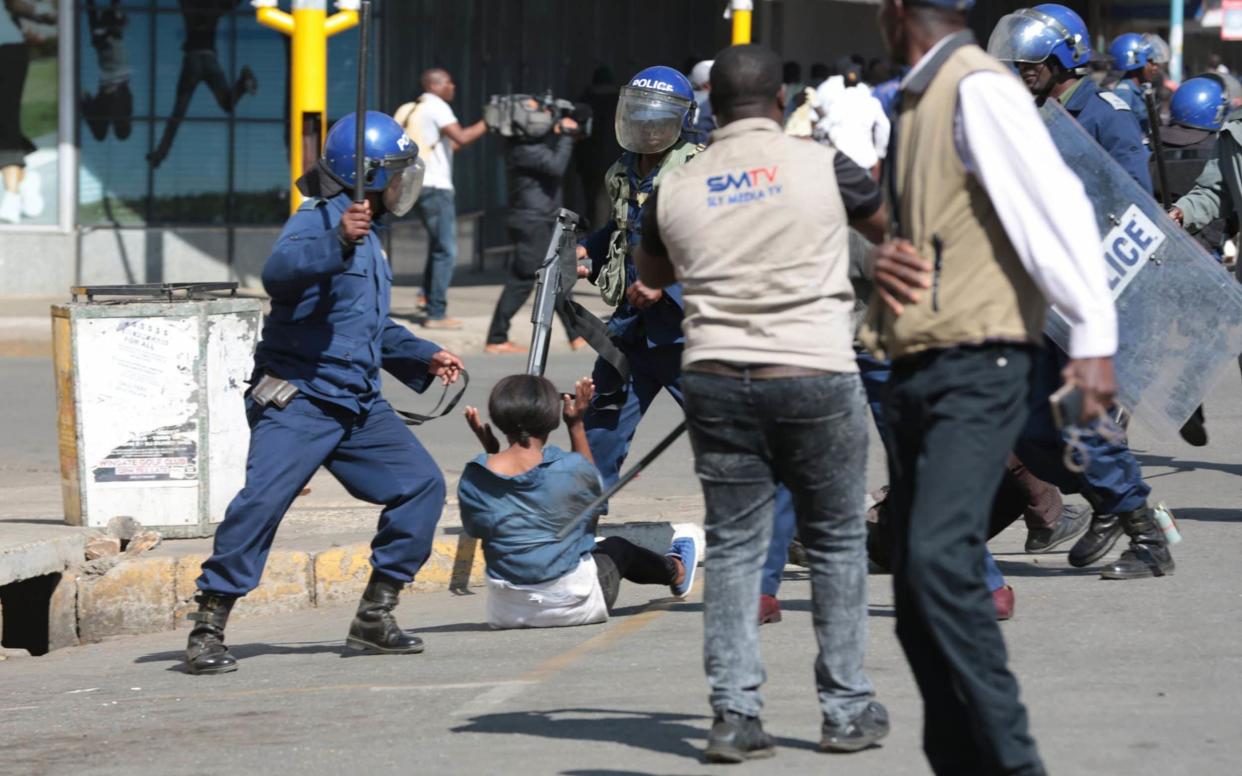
1059	76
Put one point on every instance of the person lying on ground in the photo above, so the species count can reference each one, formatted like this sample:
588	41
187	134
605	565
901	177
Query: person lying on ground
516	501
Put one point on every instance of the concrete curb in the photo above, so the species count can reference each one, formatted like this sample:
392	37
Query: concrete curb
151	594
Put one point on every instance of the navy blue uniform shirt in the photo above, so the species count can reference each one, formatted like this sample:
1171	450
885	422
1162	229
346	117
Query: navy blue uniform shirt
329	332
659	324
1109	120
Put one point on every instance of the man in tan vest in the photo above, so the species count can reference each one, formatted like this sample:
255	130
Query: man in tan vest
989	227
755	228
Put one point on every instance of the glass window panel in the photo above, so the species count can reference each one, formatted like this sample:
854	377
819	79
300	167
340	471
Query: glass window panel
113	178
197	77
191	185
343	73
266	53
29	116
260	174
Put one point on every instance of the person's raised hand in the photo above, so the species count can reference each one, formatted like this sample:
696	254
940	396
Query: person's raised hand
1096	379
566	125
900	273
575	405
1177	215
356	223
446	366
641	296
482	431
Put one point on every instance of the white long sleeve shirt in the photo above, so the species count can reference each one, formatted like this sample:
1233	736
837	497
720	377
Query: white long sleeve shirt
1040	202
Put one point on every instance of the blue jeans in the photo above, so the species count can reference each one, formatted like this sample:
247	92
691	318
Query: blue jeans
437	209
809	434
874	374
374	456
1113	480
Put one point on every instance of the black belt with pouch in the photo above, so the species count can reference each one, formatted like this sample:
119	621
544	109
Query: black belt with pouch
272	390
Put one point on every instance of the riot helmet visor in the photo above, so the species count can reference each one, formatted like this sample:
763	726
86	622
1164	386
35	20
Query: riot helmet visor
404	186
1027	35
649	121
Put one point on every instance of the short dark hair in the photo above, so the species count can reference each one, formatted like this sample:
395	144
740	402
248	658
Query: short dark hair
820	72
525	406
745	77
791	72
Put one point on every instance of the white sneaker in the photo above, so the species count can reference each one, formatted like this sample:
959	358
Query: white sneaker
10	207
31	192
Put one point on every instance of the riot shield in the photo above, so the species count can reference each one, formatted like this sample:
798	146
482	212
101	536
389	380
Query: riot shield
1179	313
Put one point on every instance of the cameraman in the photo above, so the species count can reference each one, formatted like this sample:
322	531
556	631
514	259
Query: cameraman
537	165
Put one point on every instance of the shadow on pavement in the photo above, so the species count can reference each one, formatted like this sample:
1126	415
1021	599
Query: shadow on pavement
1010	568
1178	465
681	735
1208	515
244	651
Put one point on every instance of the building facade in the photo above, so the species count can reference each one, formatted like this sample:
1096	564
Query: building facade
146	141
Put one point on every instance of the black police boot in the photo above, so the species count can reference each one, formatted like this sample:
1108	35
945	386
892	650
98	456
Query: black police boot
1195	430
205	652
374	628
1097	542
1148	554
736	738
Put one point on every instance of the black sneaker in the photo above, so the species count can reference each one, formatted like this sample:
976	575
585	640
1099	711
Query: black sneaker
736	738
1073	523
862	732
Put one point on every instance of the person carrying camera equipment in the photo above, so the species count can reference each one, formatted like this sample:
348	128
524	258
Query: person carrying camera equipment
315	397
516	501
538	149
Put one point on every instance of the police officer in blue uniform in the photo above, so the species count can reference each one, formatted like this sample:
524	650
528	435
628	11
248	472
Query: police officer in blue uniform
315	396
1138	58
1051	47
655	121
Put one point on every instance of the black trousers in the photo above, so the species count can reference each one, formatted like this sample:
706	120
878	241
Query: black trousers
954	415
14	63
530	238
617	559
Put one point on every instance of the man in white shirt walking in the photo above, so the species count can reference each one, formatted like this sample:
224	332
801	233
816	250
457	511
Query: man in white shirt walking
989	227
431	123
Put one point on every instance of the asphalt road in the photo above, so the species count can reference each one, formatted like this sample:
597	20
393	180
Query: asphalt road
1121	677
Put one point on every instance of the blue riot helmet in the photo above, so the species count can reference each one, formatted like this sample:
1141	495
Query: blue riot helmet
1033	35
1200	103
1133	51
391	160
653	110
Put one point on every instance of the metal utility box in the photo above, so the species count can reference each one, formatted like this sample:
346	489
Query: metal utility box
149	384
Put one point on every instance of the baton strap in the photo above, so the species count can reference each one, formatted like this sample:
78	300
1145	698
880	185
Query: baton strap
448	405
595	332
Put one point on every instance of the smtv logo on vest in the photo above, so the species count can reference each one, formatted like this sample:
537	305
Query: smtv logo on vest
742	186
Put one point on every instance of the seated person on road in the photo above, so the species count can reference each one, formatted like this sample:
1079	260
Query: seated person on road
517	501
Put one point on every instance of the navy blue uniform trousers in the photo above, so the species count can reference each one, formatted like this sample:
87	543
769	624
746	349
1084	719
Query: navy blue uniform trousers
373	455
1112	480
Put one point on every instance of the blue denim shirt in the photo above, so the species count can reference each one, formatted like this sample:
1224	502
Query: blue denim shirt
659	324
517	518
1113	126
328	331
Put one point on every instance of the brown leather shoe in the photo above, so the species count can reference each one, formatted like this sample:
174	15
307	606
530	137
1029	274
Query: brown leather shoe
442	323
769	609
503	347
1003	601
578	343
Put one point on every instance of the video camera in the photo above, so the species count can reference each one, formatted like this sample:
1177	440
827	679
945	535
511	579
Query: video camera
528	116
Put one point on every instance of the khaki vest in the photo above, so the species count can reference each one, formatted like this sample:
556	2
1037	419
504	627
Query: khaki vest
611	279
980	290
409	116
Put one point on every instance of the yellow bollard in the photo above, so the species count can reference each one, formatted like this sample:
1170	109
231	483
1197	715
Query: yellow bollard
309	26
742	12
